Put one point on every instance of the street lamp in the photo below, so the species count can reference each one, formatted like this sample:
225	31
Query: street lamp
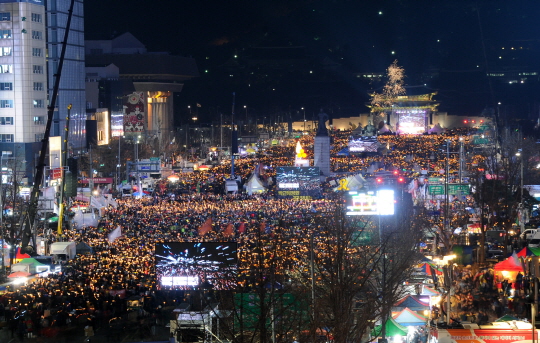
304	110
518	154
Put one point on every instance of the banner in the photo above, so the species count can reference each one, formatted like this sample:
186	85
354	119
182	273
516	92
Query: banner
115	234
134	113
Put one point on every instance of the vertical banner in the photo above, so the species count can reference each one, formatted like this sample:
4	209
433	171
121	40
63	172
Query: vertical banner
134	113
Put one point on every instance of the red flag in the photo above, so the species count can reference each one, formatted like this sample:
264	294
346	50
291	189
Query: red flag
242	227
229	231
206	227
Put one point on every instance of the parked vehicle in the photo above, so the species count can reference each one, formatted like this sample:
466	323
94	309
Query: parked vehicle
528	234
534	242
63	250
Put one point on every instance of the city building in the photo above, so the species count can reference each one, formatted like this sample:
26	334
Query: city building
23	83
122	67
72	86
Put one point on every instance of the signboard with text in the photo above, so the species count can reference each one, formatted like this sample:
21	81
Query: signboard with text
453	189
298	182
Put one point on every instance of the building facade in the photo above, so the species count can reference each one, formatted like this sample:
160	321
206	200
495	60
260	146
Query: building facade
23	84
72	79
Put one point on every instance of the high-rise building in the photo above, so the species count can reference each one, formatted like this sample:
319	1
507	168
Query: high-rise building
72	80
31	36
23	84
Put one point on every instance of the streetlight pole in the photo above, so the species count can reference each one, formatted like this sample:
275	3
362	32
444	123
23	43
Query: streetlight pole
2	214
118	165
304	110
519	153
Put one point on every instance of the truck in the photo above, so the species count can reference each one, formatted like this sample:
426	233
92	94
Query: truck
63	251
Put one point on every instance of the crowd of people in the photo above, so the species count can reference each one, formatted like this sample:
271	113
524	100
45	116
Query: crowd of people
96	287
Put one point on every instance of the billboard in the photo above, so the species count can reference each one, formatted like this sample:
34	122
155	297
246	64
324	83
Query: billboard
367	144
380	202
298	182
134	113
188	265
412	121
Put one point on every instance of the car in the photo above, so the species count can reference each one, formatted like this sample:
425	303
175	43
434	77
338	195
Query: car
495	255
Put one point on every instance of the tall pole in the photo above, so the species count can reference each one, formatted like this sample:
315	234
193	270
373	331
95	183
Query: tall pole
460	160
446	199
2	214
91	175
522	219
233	134
118	165
62	164
533	306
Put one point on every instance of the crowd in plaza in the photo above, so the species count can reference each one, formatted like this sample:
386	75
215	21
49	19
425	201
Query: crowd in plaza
94	288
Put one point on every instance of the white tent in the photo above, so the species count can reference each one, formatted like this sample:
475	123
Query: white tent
351	183
254	185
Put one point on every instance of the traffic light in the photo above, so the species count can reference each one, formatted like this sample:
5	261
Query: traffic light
70	189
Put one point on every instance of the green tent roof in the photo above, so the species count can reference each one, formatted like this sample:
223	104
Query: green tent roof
32	261
506	318
393	328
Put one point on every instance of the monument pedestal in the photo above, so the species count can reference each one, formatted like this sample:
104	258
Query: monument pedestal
321	151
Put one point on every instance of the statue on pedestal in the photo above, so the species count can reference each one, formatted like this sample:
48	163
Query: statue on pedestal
321	128
369	129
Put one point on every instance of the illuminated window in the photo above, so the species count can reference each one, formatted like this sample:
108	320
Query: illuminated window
6	138
6	120
6	103
36	17
37	34
6	68
5	51
6	86
4	34
39	120
5	16
38	103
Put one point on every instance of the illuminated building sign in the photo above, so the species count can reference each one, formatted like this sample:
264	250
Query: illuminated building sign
380	202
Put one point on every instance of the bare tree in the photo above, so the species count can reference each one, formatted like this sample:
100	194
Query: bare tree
358	266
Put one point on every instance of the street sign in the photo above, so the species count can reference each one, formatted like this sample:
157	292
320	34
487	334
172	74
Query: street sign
453	189
436	189
459	189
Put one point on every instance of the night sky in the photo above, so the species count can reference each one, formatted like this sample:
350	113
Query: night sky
447	46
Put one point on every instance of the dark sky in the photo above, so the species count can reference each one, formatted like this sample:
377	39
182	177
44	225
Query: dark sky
458	38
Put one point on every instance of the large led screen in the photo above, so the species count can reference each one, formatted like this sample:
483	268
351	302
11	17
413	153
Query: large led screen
298	182
380	202
412	121
188	265
362	144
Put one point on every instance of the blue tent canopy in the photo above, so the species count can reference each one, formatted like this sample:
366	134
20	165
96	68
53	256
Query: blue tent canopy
344	152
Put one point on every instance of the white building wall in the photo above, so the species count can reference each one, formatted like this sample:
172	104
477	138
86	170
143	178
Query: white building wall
27	25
